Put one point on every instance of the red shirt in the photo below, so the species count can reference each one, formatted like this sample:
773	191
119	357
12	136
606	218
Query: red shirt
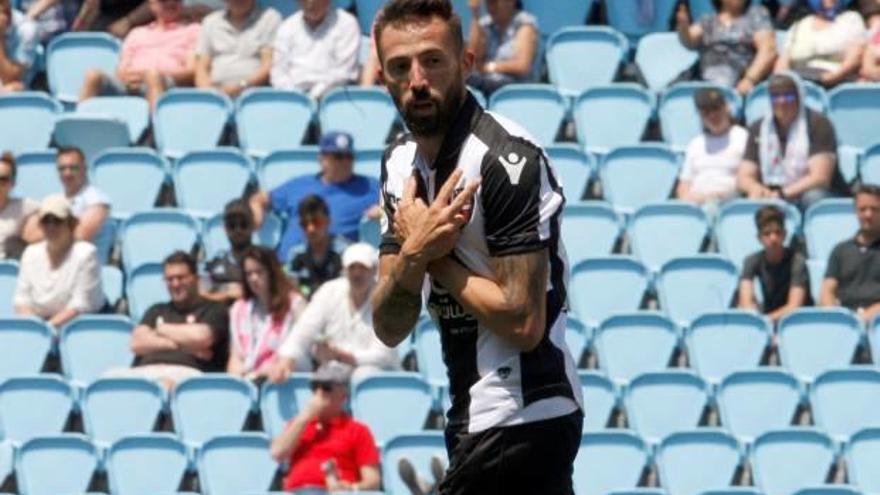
343	439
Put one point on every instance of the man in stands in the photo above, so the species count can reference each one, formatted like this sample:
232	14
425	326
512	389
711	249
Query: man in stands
18	43
222	281
317	260
90	205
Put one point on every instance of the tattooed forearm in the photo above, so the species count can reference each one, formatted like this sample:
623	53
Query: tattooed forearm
395	309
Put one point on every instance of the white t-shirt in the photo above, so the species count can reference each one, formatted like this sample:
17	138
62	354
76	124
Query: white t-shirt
711	162
806	44
86	197
12	219
75	283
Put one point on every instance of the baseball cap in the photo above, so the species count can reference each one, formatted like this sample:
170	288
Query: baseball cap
332	372
361	253
55	205
337	142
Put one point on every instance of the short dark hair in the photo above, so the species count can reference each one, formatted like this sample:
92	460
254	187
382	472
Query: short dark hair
397	12
312	205
781	82
717	5
8	158
872	189
238	208
709	99
181	258
769	214
63	150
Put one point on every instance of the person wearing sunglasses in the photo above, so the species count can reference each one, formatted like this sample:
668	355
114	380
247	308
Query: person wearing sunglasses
90	205
19	224
317	260
59	278
222	278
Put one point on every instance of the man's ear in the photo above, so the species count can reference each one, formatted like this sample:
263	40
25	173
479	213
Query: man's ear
467	61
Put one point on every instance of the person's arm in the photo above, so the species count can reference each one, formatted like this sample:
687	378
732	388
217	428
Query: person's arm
526	44
145	340
280	72
139	15
747	180
37	8
235	365
747	294
870	70
849	66
86	16
690	35
63	316
828	294
796	298
371	478
819	174
260	201
30	231
397	300
868	314
762	64
91	222
285	443
10	70
189	336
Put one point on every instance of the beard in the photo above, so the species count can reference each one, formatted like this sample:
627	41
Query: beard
430	125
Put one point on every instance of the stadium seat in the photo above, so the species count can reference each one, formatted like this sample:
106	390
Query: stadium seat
660	232
813	340
754	402
195	184
577	337
734	490
596	217
691	462
145	287
828	490
816	272
93	344
365	113
608	117
758	101
723	342
634	176
92	133
368	162
846	400
371	395
281	166
146	464
573	168
658	404
32	406
736	230
567	49
785	460
215	240
27	120
369	231
188	119
869	166
418	448
689	287
54	465
700	8
210	405
600	397
635	343
863	460
539	108
559	14
850	105
601	287
269	119
70	55
150	236
132	177
7	460
25	341
279	402
37	175
609	460
679	119
661	58
640	491
635	19
114	408
236	464
828	223
133	110
429	354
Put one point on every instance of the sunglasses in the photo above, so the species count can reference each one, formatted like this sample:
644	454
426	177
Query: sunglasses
51	220
237	225
323	386
780	98
69	168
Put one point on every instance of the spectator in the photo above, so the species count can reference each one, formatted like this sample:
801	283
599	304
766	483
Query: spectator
18	219
263	317
18	49
870	10
60	277
350	196
223	278
235	47
181	338
154	57
54	17
316	49
826	46
337	325
327	449
791	153
90	205
504	42
781	270
737	45
317	260
712	158
852	279
870	70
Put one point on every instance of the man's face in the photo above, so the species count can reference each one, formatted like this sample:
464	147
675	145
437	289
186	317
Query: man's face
337	166
785	105
72	172
359	276
166	10
337	395
315	227
868	212
772	237
715	120
424	69
238	230
6	182
182	284
501	10
314	11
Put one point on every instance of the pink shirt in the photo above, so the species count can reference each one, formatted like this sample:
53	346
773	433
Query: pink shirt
164	49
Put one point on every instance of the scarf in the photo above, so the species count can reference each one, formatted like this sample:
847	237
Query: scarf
778	169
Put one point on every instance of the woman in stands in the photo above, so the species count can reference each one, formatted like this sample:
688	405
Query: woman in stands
505	44
737	45
870	71
261	320
18	219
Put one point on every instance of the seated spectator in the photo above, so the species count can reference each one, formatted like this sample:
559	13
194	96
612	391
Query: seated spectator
337	325
19	224
327	449
262	318
18	49
154	57
181	338
119	17
791	153
826	46
223	280
713	157
54	17
235	47
870	70
505	44
781	271
350	196
737	45
60	277
90	205
316	49
317	260
852	279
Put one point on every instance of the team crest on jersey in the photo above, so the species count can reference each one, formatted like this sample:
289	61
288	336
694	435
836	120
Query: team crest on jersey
513	165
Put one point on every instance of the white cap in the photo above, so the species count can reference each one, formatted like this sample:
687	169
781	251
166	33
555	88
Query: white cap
361	253
56	205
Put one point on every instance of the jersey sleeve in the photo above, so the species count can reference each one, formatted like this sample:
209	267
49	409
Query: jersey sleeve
388	243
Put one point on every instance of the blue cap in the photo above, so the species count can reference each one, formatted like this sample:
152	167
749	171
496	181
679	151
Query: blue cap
337	142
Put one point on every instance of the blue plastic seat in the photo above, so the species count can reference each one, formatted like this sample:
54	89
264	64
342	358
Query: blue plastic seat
92	133
734	490
600	397
558	14
813	340
608	461
7	459
863	460
596	217
133	110
754	402
215	240
429	353
869	165
850	105
37	175
816	272
539	108
628	17
784	461
93	344
661	232
70	55
736	230
8	281
236	464
679	119
33	406
828	490
577	337
279	402
26	121
567	49
210	405
281	166
195	184
658	404
601	287
573	168
271	119
689	287
723	342
846	400
758	101
56	465
25	341
410	393
661	58
694	461
634	176
365	113
150	236
188	119
114	408
635	343
368	162
418	448
145	287
132	177
146	464
608	117
828	223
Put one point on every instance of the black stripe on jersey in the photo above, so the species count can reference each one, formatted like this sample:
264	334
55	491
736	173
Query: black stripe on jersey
388	244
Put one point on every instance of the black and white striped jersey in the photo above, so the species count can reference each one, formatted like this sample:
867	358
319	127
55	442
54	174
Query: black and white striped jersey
517	209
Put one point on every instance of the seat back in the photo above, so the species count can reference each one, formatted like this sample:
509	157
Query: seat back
846	400
429	353
215	240
633	19
92	133
723	342
211	405
607	461
188	119
690	287
600	397
24	344
26	121
56	464
365	113
410	392
150	236
368	162
850	105
195	188
281	166
736	230
114	408
679	119
634	176
91	345
133	110
658	404
70	55
573	168
37	175
559	14
828	223
596	217
635	343
132	177
611	116
236	464
600	287
269	119
33	406
863	460
145	287
539	108
279	402
661	58
577	337
661	232
418	449
567	48
813	340
757	401
785	460
694	461
146	464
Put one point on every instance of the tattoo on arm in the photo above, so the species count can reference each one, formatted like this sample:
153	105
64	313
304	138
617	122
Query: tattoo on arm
523	279
395	311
